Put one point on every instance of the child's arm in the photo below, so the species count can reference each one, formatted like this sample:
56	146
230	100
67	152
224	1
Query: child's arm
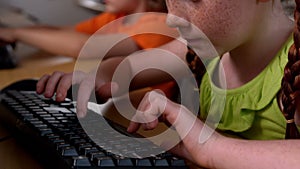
57	40
124	69
217	151
68	42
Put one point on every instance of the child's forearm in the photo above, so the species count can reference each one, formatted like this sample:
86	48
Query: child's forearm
52	39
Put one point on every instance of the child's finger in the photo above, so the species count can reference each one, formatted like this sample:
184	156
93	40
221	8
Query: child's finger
52	83
84	92
41	84
149	110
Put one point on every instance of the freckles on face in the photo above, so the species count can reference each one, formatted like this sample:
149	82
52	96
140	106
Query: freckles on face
219	20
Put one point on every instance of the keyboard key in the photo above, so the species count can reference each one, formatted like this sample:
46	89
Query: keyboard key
104	161
161	162
145	162
68	151
177	162
81	161
122	161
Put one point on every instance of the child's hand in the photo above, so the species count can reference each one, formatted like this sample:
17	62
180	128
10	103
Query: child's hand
155	107
60	83
151	109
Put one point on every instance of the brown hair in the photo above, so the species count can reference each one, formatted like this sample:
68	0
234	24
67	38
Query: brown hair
157	6
290	85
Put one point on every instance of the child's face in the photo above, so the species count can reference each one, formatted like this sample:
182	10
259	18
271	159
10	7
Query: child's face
227	23
118	6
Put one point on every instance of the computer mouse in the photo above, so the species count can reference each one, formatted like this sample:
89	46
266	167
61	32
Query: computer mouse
8	58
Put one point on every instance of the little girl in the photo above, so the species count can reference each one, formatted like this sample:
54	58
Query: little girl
253	40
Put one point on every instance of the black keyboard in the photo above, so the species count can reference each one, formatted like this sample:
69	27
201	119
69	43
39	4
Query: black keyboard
53	134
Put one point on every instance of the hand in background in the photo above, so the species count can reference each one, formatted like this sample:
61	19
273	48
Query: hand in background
7	35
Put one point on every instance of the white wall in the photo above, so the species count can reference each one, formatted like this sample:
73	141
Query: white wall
54	12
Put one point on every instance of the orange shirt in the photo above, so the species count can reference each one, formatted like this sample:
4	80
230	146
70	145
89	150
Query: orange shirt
149	31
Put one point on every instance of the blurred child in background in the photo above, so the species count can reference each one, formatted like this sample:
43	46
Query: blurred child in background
69	40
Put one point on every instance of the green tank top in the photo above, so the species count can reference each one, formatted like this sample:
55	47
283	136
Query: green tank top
250	111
